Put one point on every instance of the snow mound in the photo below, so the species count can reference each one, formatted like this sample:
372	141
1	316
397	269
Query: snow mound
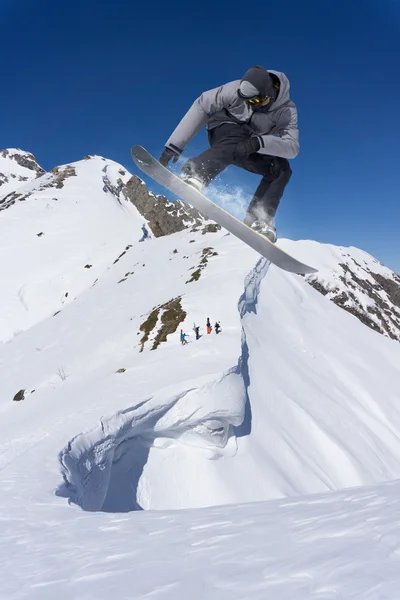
102	468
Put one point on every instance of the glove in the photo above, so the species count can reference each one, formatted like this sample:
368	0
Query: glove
169	154
249	146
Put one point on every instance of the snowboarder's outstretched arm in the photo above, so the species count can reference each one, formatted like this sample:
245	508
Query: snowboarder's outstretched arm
200	112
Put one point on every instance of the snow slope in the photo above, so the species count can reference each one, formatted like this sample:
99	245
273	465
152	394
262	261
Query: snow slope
294	397
324	547
55	243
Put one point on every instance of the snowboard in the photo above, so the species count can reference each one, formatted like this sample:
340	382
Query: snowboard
149	165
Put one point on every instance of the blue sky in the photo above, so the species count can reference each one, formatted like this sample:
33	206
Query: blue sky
98	77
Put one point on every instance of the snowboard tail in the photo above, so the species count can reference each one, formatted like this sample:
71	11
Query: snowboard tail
151	167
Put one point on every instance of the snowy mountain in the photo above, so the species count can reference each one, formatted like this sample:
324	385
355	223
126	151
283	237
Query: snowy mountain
16	168
293	401
357	282
61	233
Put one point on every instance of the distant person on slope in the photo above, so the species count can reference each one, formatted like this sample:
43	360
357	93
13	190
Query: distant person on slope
251	123
196	330
217	327
208	325
183	337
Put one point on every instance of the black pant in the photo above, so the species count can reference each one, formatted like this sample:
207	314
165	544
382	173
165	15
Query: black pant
276	171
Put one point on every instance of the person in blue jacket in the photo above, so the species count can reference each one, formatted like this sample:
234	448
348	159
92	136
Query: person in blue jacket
183	337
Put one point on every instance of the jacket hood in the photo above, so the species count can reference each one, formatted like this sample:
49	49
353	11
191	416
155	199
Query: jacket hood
259	78
284	89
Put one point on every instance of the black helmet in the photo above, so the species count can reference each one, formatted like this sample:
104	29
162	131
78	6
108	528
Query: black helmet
256	82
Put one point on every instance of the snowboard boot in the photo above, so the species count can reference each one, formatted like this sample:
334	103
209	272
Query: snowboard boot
194	182
267	228
189	175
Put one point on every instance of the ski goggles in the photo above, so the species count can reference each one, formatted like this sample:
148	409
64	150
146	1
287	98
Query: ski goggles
258	100
255	101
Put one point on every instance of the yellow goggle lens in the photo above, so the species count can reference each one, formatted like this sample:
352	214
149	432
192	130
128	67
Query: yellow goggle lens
254	101
258	100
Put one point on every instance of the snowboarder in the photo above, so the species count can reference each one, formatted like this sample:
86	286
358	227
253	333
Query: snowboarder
196	330
183	337
251	123
208	325
217	327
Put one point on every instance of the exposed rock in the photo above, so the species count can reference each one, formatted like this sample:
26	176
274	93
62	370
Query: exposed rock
372	297
169	315
54	179
318	286
164	217
205	255
28	161
195	275
16	169
11	199
172	314
392	288
62	173
23	159
211	228
19	396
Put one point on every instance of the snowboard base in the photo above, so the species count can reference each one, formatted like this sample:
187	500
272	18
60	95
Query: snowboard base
149	165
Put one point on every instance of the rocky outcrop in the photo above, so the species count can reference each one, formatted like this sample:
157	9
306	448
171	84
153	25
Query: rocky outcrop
163	217
19	396
367	290
24	159
61	174
54	179
17	168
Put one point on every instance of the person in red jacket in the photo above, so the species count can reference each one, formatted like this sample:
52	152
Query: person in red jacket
208	325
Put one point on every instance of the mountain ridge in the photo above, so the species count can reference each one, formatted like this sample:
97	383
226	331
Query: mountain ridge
349	277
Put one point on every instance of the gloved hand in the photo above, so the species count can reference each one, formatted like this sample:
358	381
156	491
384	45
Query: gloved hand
249	146
167	155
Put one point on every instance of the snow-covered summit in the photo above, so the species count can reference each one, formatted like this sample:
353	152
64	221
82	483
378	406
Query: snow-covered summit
67	227
16	168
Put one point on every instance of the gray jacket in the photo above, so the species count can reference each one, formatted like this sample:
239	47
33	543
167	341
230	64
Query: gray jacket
276	126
